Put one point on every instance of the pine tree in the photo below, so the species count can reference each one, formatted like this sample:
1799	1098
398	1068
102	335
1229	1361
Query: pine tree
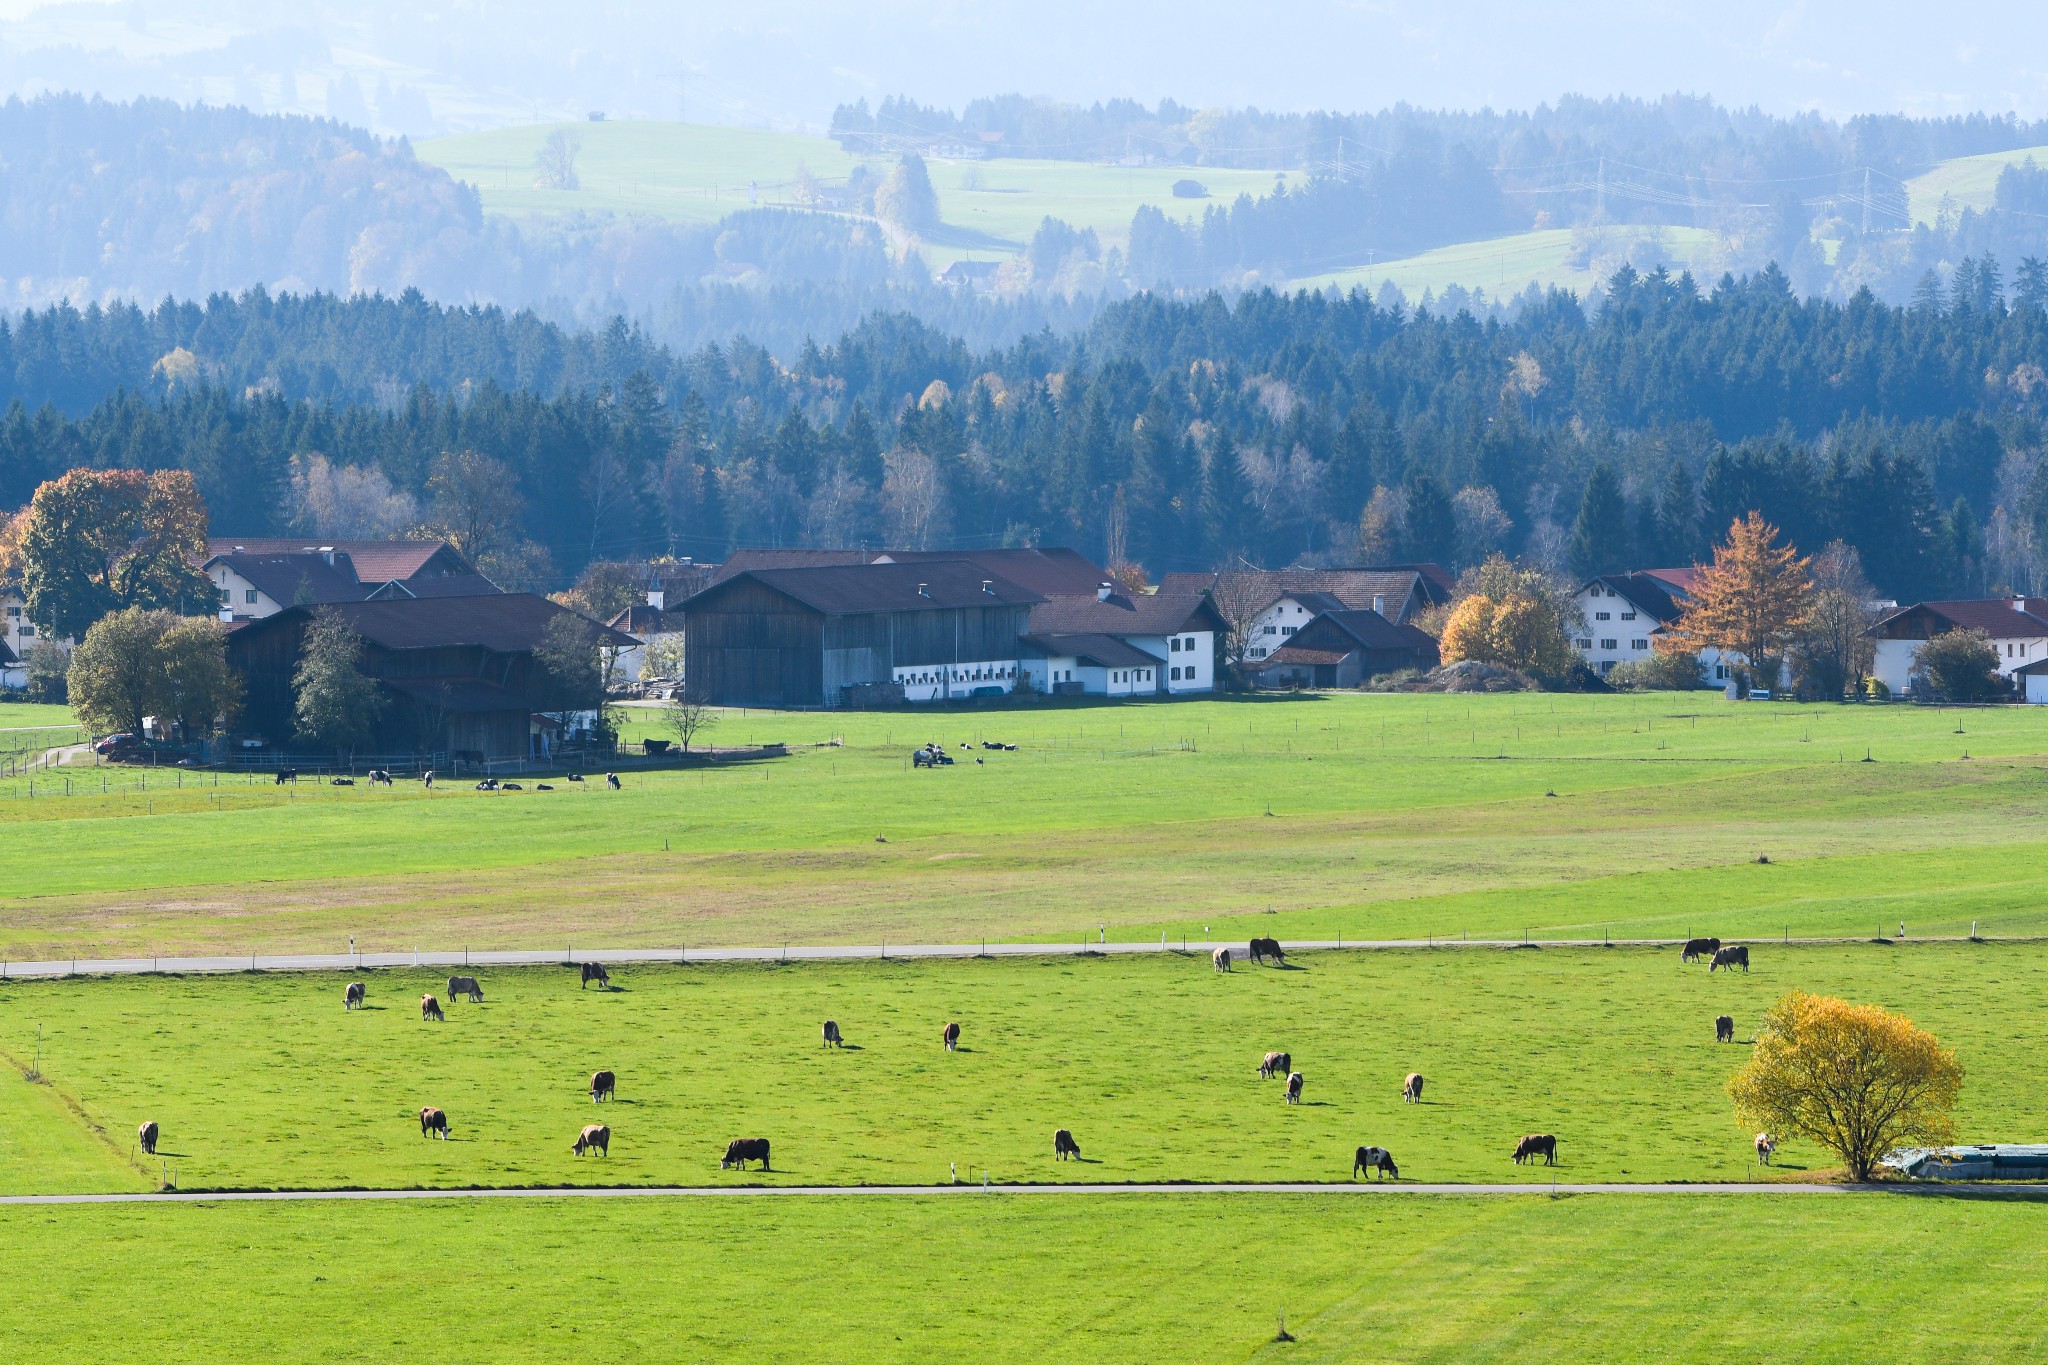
1431	521
1599	542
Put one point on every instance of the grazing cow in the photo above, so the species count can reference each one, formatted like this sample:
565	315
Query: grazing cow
575	777
344	782
285	775
433	1123
1724	1028
602	1084
430	1008
428	778
832	1038
596	1135
952	1035
146	1135
1221	959
352	996
1064	1146
1765	1145
594	971
380	777
1378	1160
1731	958
1697	948
1263	948
612	780
459	986
1276	1064
740	1151
1411	1089
1535	1145
1293	1095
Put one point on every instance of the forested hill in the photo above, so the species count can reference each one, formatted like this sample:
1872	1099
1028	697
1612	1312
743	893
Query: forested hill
1176	433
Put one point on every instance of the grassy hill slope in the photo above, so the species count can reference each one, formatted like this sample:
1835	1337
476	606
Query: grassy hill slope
1968	181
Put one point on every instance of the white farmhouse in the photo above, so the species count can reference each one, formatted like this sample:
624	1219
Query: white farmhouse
1622	615
2017	627
1117	644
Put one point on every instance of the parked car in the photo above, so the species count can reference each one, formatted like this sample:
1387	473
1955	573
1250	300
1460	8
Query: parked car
120	743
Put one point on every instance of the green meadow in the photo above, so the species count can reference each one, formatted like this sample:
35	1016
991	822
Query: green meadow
1028	1278
1502	266
261	1080
1967	182
1354	815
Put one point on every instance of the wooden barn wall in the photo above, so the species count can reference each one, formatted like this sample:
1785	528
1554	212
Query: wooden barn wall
752	646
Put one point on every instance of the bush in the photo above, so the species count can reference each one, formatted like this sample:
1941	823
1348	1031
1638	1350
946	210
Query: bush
1190	189
1874	689
1658	673
1960	665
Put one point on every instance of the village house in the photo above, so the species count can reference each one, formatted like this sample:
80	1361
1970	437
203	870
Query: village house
1276	603
258	577
1118	644
1344	648
1623	615
2016	626
17	638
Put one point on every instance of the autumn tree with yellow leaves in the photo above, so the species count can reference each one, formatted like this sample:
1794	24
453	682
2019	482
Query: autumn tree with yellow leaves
1751	601
1511	616
1858	1080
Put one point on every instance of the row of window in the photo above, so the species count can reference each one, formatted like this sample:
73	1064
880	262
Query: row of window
1175	644
1278	630
1638	644
1134	675
248	596
1602	616
933	677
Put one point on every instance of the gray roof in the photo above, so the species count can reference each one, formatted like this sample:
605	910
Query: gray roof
1165	612
1106	651
1404	591
863	589
505	623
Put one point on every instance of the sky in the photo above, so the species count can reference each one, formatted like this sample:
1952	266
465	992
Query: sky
452	65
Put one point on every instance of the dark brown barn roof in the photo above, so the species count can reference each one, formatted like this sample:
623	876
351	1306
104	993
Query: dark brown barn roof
747	560
2002	618
1404	590
1164	612
376	561
505	623
642	620
861	589
1051	572
1105	651
291	579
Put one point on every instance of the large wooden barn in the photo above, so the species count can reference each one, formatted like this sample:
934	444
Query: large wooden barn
830	634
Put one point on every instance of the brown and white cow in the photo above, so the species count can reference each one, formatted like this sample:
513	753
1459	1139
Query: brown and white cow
352	995
430	1008
951	1035
1765	1145
1294	1082
602	1084
1220	959
596	1135
433	1122
1276	1064
146	1135
1411	1089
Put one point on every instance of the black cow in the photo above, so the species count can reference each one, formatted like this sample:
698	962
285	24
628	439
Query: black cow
1697	948
433	1123
1535	1145
831	1035
285	775
594	971
1064	1146
146	1135
951	1035
1378	1160
344	782
1731	958
1724	1029
612	780
740	1151
1263	948
602	1084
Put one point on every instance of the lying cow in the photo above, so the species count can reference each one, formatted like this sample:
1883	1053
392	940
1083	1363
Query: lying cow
595	1135
146	1135
459	986
1731	958
1275	1064
352	996
831	1035
740	1151
594	971
344	782
602	1084
1293	1095
430	1008
1535	1145
1378	1160
1064	1146
951	1036
1263	948
433	1123
1220	959
1697	948
1765	1145
1724	1027
1411	1089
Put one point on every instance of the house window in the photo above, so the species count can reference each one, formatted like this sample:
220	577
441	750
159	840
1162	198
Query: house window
1720	672
1173	645
27	631
1638	644
1188	643
1288	630
1173	674
1270	630
1608	644
249	596
226	597
1628	616
1585	644
1601	616
15	612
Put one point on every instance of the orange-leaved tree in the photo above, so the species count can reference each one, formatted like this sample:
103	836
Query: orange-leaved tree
99	540
1858	1080
1750	601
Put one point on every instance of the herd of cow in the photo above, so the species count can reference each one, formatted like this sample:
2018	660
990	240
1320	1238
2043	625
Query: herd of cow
381	777
1377	1160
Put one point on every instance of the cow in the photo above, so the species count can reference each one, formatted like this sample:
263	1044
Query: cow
427	778
1293	1095
344	782
380	777
543	787
1220	959
146	1135
740	1151
1064	1146
489	784
352	996
575	777
1765	1145
602	1084
596	1135
951	1036
433	1123
1276	1064
612	780
594	971
1731	958
831	1035
1535	1145
510	787
1697	948
285	775
459	986
1263	948
430	1008
1724	1028
1411	1089
1378	1160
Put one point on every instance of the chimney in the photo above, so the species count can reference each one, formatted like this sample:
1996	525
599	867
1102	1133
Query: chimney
1102	592
988	586
1379	605
2019	604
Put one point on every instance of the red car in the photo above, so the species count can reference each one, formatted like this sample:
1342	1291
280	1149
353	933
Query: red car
114	744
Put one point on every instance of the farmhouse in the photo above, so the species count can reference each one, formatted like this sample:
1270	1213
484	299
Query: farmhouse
1116	644
258	577
839	633
1624	614
1273	604
1344	648
457	674
17	632
2017	627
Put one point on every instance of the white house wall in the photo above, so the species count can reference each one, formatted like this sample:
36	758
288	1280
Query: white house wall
240	596
938	682
1191	667
1273	627
1893	664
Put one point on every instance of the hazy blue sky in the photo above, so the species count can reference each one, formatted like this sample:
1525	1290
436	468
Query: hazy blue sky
787	62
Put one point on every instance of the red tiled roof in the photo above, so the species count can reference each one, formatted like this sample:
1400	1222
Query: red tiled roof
1295	654
2002	618
376	561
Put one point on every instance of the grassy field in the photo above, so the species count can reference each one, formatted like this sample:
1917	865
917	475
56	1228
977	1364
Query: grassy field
1369	816
1502	266
263	1081
1030	1279
1968	181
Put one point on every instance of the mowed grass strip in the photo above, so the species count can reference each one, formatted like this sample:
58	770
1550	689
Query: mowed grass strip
263	1081
1362	815
1031	1278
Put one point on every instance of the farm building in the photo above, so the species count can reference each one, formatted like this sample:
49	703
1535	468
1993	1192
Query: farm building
1623	614
1110	643
457	674
261	577
1272	604
2017	627
1345	648
827	634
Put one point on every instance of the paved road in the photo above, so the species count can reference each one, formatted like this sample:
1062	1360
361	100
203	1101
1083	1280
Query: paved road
341	962
754	1191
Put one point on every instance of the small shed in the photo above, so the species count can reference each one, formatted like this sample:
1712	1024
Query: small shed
1344	649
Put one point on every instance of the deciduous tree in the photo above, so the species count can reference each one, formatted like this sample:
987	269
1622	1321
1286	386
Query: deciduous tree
1831	648
1959	665
1858	1080
99	540
337	704
1750	601
116	677
688	715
